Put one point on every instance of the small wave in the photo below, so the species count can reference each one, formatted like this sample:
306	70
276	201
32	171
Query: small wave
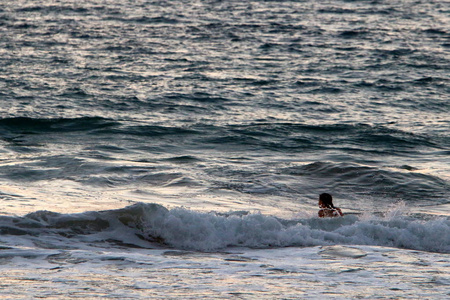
201	97
436	31
184	159
53	8
291	135
349	34
326	90
39	125
401	182
186	229
154	20
153	131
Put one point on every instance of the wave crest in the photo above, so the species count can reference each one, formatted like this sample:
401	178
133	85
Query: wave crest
182	228
152	225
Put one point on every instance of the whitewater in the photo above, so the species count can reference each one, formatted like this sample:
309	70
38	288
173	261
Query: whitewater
176	149
146	250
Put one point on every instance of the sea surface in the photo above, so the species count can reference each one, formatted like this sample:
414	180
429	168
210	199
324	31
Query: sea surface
176	149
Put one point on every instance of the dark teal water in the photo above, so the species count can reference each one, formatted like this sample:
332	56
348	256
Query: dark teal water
224	104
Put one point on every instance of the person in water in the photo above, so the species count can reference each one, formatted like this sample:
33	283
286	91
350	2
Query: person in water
327	208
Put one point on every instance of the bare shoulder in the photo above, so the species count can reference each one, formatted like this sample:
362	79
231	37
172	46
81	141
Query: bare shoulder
330	213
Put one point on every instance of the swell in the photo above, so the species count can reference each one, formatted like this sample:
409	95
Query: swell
185	229
402	182
273	136
26	125
354	137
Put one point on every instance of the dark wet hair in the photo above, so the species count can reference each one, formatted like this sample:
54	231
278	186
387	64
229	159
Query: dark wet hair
327	200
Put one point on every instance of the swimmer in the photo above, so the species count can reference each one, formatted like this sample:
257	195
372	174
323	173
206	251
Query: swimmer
327	208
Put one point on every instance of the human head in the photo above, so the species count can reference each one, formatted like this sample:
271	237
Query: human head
325	200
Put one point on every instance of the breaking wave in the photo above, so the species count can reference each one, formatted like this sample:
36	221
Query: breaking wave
152	225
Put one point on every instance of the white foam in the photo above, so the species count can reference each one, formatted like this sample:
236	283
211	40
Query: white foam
152	225
186	229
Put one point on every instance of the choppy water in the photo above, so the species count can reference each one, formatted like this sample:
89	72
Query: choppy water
132	109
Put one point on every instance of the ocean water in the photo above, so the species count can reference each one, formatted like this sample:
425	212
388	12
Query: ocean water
176	149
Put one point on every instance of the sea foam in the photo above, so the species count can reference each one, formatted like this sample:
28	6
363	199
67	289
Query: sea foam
153	225
183	228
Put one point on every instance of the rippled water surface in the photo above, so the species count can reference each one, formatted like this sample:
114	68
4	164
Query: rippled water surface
250	109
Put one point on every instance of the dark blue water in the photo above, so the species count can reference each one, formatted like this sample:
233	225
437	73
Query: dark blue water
224	105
